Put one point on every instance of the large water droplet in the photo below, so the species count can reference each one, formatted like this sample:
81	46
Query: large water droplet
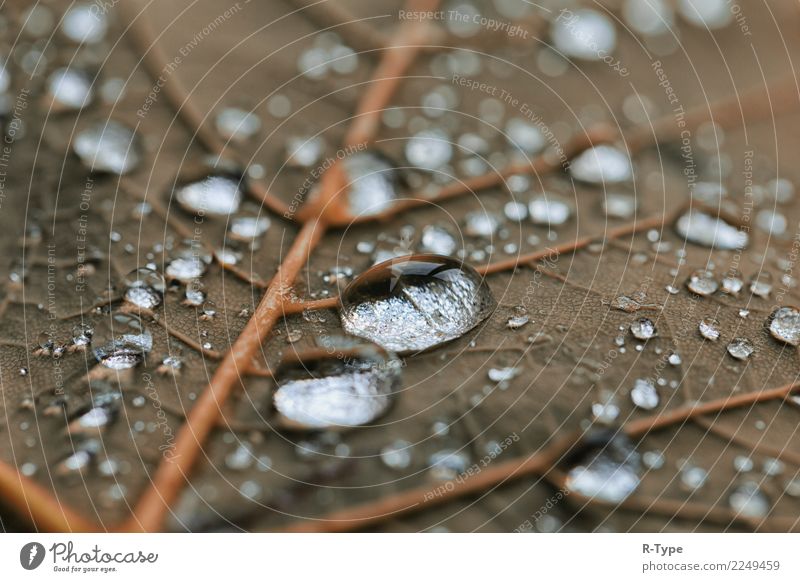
643	329
609	474
584	34
603	164
784	325
413	303
121	342
709	231
709	329
214	194
85	23
329	391
108	146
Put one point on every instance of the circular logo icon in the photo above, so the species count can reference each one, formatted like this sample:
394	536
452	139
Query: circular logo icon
31	555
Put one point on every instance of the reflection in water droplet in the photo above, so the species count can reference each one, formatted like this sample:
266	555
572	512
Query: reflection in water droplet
603	164
784	325
214	194
108	146
702	283
121	342
609	474
329	392
747	500
741	348
709	231
413	303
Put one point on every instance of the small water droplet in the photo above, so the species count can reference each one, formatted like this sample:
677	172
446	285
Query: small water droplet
705	230
524	135
121	341
248	228
429	149
609	474
481	223
761	284
397	455
373	183
70	88
643	328
448	464
583	34
517	322
212	194
108	146
549	210
237	124
437	240
784	325
702	283
619	205
413	303
709	329
747	500
693	477
603	164
644	394
741	348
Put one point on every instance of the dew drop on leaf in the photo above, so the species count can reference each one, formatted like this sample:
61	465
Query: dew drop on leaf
709	231
413	303
108	146
741	348
121	341
784	325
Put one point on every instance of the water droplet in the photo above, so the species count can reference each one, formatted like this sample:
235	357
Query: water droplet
773	467
784	325
241	458
516	211
693	477
121	342
740	348
481	223
644	394
373	183
743	464
650	18
606	410
70	88
761	284
709	329
653	459
702	283
524	135
643	328
413	303
329	392
82	334
732	283
705	230
609	474
603	164
549	210
619	205
583	34
707	14
397	455
78	462
237	124
304	152
448	464
747	500
213	194
104	410
84	23
675	359
108	146
429	149
248	228
502	374
517	322
145	288
438	241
